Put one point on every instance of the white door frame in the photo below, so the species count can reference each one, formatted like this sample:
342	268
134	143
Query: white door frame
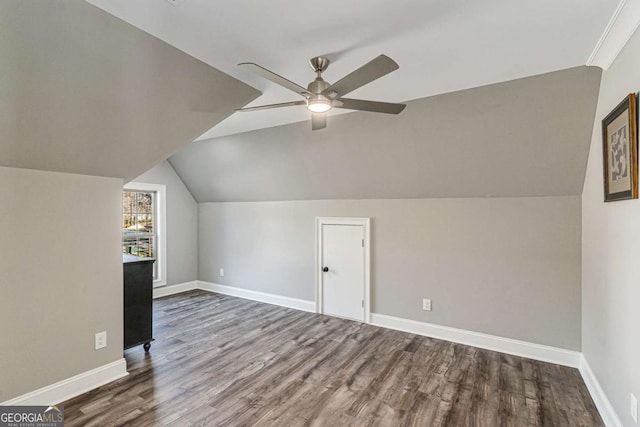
365	222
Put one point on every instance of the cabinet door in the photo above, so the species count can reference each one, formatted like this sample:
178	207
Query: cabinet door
138	299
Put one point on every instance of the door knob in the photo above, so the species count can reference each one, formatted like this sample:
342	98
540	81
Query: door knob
325	269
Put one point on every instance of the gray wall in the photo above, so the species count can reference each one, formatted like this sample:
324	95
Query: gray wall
611	257
182	224
503	266
527	137
85	92
60	276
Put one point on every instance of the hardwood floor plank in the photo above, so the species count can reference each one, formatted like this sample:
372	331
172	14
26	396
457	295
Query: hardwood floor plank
223	361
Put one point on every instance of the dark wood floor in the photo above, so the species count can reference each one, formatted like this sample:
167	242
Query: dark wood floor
224	361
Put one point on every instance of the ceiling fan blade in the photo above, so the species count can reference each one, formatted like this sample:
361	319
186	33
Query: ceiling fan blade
318	121
374	106
269	106
372	70
275	78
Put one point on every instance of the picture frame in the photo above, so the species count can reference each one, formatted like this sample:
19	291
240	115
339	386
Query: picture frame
620	151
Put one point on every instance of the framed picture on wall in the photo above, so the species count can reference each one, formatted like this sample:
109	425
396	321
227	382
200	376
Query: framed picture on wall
620	151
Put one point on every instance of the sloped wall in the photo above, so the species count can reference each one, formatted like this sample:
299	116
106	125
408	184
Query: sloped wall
527	137
84	92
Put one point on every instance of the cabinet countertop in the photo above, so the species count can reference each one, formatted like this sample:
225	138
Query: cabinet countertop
126	258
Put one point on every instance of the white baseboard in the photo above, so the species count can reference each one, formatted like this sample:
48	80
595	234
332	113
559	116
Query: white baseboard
490	342
72	387
298	304
289	302
603	404
174	289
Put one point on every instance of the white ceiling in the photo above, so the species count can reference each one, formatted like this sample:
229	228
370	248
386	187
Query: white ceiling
441	45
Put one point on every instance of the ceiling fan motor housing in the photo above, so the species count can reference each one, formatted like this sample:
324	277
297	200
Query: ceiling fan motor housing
317	86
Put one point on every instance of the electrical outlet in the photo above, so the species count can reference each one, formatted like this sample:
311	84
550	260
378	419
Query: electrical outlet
634	408
101	340
222	272
426	304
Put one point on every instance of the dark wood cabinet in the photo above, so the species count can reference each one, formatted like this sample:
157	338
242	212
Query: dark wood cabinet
138	301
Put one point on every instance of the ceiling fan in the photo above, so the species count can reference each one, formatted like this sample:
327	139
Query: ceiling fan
320	96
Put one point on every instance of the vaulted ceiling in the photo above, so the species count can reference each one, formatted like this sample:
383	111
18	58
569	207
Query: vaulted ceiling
499	100
440	45
84	92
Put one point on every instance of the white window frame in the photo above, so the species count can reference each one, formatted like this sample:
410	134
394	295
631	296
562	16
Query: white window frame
161	215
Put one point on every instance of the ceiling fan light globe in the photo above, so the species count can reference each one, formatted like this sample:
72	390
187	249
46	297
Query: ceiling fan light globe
319	107
319	104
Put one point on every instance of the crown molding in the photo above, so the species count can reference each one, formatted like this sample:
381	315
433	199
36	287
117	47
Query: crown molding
623	24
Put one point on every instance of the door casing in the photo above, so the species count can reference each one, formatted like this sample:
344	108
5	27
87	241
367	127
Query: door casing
366	223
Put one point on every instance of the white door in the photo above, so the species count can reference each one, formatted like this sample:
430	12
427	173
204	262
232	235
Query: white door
342	269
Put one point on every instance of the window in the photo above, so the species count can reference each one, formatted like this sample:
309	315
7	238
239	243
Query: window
143	207
138	223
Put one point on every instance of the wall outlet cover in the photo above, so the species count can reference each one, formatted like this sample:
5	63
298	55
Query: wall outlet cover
222	272
101	340
426	304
